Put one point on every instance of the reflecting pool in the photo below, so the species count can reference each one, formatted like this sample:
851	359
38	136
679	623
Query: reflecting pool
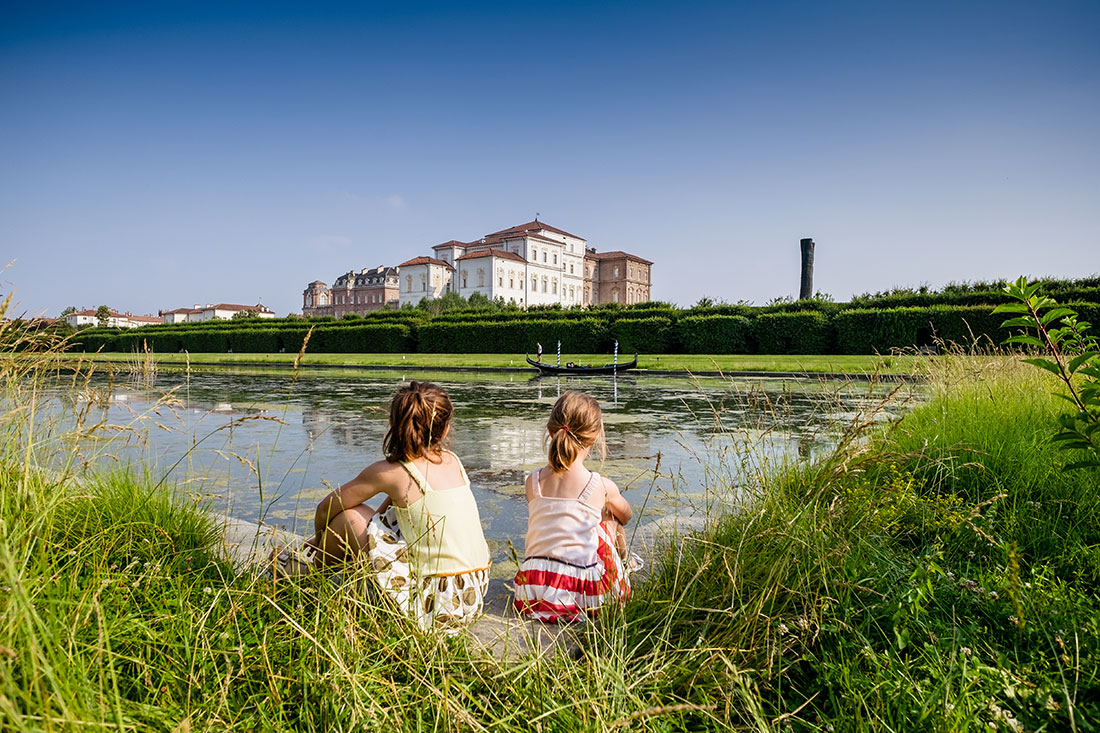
261	444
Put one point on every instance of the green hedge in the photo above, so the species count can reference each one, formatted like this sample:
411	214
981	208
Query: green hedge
715	334
807	332
866	331
502	337
643	335
372	338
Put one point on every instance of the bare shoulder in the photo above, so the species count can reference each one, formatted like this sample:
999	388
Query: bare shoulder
384	473
531	483
609	486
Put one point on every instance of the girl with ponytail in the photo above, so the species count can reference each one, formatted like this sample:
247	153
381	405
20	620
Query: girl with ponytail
424	544
572	564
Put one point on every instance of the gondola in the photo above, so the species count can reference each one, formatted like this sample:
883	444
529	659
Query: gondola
545	368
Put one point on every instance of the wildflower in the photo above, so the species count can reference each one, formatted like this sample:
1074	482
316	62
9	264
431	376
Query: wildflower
803	623
970	554
965	650
1014	621
783	629
207	589
994	595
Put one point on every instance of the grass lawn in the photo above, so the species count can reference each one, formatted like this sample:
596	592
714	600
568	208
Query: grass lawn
688	362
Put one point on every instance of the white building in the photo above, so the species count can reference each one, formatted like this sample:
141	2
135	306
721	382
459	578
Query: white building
208	312
89	317
424	277
529	264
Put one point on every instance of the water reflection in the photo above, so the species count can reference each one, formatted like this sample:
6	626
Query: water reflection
264	446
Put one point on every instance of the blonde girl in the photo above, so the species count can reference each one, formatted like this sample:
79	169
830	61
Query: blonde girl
425	542
571	565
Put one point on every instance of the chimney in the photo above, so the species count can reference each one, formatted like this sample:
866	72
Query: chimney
806	291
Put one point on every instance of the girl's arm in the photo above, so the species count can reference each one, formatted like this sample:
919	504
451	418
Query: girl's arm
370	481
615	503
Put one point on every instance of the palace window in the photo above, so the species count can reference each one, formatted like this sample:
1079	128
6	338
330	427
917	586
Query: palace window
463	278
570	268
616	273
544	281
511	280
544	255
554	286
615	296
409	283
534	255
423	282
555	258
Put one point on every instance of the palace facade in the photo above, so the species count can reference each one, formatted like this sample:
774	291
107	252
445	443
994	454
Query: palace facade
529	264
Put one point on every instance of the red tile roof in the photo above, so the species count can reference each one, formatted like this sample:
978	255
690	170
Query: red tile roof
531	227
616	255
181	310
491	252
451	243
425	261
234	307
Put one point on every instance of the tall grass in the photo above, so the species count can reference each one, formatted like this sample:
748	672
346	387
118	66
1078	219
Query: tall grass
936	574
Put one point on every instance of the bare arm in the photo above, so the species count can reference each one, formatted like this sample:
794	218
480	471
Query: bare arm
615	503
371	481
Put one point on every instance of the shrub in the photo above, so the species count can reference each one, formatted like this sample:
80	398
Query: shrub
652	335
715	334
502	337
374	338
805	332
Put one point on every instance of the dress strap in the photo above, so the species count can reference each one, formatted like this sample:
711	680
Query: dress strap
417	476
538	484
592	481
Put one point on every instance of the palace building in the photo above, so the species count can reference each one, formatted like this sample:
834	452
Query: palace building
530	264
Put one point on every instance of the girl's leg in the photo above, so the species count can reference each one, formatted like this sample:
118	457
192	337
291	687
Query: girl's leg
345	537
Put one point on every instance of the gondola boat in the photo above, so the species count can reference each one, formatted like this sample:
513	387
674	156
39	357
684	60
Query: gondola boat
545	368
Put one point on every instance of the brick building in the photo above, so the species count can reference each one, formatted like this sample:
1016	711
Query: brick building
353	292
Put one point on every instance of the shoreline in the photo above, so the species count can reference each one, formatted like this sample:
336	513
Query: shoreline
280	363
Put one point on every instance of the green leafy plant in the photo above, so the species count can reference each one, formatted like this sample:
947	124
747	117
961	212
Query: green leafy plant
1072	350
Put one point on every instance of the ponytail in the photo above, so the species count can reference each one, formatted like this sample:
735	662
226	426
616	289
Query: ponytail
420	414
575	423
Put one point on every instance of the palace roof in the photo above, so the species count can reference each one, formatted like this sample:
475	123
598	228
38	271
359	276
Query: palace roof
426	261
615	255
491	252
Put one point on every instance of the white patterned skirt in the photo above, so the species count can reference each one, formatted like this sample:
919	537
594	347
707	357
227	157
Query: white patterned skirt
447	602
549	589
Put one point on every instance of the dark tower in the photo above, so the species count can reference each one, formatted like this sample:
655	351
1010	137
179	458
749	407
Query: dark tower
807	290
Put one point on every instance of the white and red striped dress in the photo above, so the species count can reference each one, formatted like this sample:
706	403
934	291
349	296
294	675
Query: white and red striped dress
570	566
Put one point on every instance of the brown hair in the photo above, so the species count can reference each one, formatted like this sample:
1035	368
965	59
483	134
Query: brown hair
420	413
575	423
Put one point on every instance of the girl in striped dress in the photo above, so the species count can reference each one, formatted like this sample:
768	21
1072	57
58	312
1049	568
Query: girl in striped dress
573	557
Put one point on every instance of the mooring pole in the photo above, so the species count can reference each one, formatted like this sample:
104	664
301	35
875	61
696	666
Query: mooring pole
559	353
806	291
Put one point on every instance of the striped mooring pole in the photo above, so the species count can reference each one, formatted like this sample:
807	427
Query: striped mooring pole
559	353
616	362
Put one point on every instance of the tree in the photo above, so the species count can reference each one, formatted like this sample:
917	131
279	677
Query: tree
67	311
103	315
242	315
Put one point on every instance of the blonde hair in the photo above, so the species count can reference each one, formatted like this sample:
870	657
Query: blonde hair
575	423
420	414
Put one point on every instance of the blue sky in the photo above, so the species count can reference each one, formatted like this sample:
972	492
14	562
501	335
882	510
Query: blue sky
158	155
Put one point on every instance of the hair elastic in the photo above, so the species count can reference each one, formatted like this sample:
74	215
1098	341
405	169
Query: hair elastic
565	428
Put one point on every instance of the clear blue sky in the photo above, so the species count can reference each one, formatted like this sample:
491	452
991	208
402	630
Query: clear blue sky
157	157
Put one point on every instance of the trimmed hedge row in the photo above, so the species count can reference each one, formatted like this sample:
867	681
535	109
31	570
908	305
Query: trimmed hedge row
857	331
496	337
362	338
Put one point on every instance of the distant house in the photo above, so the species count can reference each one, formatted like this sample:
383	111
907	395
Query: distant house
90	317
367	290
208	312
